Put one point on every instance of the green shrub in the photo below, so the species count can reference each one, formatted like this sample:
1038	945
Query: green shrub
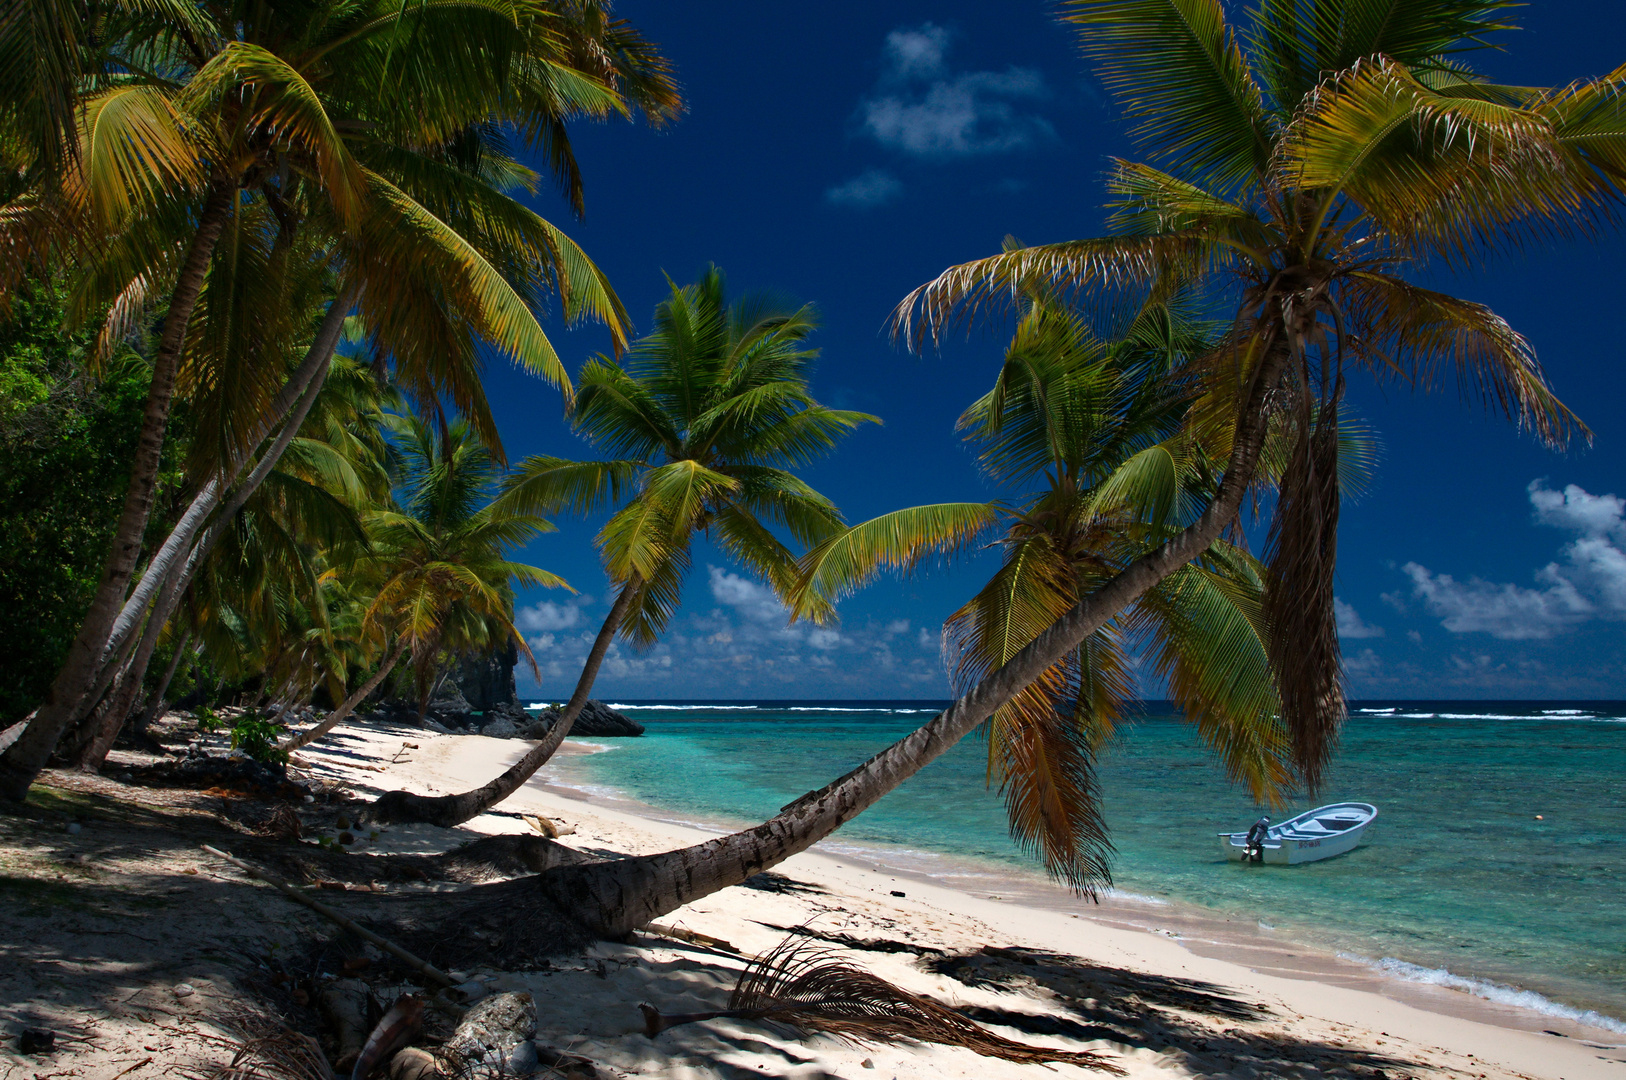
257	737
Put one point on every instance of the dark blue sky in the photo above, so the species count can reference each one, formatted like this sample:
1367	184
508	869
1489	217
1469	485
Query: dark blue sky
843	154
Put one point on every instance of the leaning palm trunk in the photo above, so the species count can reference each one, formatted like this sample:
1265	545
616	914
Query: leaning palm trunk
79	671
167	575
155	707
450	810
616	896
337	716
289	409
96	734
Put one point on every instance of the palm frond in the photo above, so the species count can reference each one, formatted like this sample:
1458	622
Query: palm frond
1178	68
810	988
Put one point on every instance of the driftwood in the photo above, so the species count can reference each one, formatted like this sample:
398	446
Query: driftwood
808	987
428	970
395	1030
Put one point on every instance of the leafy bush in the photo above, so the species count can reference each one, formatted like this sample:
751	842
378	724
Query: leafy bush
257	737
209	720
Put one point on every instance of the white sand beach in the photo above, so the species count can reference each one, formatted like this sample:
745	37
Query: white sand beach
1206	1003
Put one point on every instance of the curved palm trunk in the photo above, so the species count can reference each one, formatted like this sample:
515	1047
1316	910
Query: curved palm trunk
167	576
616	896
155	707
290	407
449	810
23	761
337	716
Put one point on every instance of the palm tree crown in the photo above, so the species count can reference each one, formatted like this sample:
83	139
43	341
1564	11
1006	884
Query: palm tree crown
1301	167
706	418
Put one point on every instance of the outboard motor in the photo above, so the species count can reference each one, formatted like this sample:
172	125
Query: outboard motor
1254	845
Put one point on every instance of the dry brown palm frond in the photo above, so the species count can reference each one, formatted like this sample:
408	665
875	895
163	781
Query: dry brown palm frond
809	987
268	1050
1298	597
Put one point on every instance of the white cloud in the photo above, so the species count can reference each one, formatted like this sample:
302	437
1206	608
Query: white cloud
916	53
922	109
547	616
751	599
1350	623
1502	611
1593	516
875	187
1590	582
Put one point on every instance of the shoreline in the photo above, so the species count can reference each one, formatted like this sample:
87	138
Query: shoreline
1316	1000
1204	931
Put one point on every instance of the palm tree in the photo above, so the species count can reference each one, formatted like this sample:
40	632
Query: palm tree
1115	459
706	420
440	561
1306	165
376	131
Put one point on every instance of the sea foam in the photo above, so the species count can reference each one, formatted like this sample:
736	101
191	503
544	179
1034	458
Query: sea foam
1490	991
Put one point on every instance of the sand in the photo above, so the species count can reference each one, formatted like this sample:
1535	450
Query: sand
1204	1014
1159	993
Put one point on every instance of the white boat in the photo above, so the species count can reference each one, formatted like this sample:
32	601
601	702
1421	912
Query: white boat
1313	835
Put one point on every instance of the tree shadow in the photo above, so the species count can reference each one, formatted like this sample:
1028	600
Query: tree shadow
1201	1022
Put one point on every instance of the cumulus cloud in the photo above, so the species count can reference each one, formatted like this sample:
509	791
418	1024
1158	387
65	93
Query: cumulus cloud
1589	583
923	109
547	616
752	599
1350	623
743	646
874	187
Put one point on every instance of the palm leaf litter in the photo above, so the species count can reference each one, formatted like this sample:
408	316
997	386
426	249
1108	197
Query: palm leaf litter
809	987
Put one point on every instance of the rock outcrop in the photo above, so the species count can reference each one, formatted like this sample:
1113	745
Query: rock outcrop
597	720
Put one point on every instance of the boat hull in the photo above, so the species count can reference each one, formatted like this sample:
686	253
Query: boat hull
1312	836
1293	852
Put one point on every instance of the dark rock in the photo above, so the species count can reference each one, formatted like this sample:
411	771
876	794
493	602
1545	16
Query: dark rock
450	707
596	720
36	1041
500	728
240	774
488	681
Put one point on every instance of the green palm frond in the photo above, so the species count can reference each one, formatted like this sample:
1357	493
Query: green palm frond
1178	68
899	540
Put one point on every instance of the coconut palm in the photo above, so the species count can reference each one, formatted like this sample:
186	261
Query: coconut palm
1099	440
444	579
706	421
377	131
1305	165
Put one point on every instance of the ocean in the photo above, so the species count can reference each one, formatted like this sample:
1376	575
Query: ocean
1497	864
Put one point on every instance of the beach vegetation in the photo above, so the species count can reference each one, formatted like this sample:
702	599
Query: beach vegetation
182	163
1300	171
705	421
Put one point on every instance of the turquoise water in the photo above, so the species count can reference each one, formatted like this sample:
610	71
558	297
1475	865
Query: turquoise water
1458	879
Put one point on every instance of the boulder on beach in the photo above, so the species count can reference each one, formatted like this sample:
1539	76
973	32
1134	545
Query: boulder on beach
597	720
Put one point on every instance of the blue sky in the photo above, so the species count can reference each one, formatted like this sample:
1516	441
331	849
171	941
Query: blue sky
843	154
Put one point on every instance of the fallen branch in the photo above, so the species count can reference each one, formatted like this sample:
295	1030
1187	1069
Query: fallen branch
427	969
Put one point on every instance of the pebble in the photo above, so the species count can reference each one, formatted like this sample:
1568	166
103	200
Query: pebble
866	1064
73	828
310	798
184	990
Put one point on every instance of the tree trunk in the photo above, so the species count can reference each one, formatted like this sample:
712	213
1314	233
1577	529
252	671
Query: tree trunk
79	670
615	896
167	573
334	718
155	707
449	810
93	751
293	403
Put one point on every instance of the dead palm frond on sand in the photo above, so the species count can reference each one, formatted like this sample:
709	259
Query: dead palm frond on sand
809	987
